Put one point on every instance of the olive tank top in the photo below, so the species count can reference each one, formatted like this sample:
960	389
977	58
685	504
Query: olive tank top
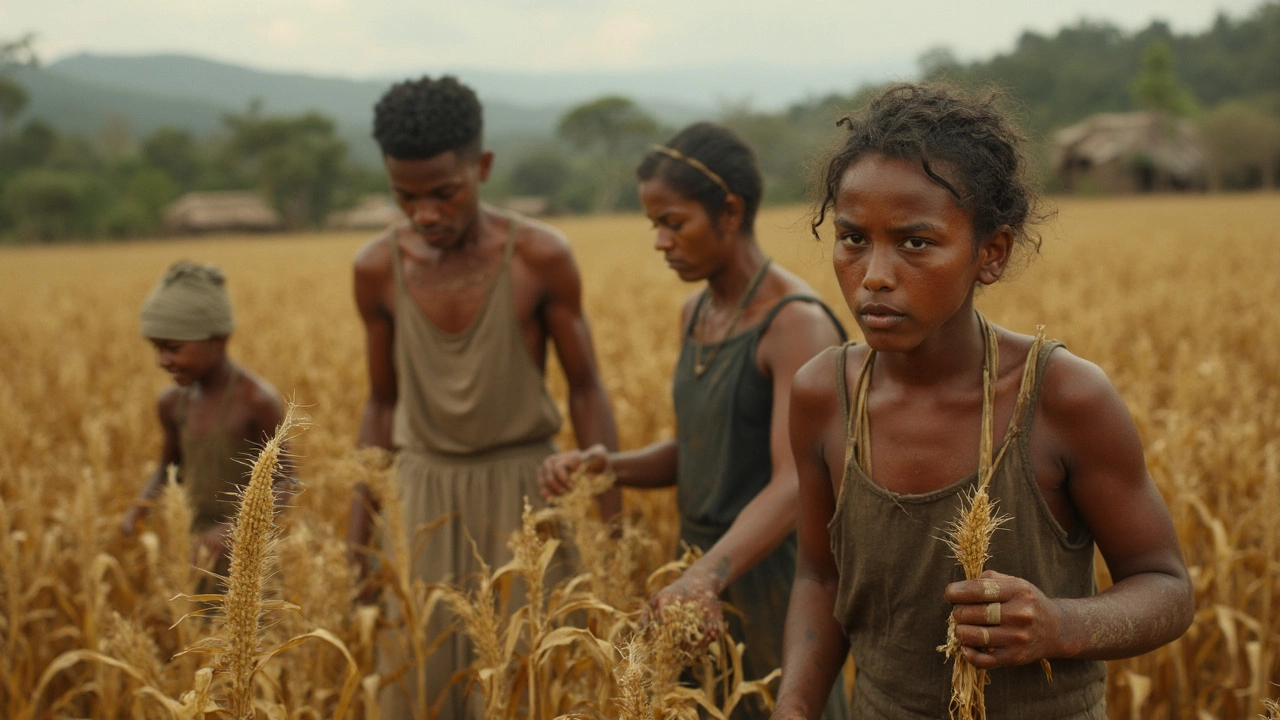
473	391
894	567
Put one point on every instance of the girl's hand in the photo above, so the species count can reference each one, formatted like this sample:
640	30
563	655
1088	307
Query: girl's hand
689	588
1004	620
555	475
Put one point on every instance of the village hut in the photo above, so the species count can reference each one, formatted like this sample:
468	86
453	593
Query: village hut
373	212
1130	152
223	211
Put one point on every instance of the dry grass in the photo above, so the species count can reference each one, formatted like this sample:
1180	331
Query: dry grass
1175	298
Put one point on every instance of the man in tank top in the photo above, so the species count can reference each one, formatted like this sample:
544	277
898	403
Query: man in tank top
458	304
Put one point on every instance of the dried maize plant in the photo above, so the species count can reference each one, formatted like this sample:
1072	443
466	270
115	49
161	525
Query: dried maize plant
242	607
412	602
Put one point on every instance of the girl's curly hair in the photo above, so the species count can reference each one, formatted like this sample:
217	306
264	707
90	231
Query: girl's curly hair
966	145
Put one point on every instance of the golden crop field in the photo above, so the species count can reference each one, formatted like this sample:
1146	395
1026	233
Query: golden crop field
1176	298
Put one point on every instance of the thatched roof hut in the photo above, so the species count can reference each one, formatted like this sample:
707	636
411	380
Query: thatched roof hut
1130	152
373	212
223	211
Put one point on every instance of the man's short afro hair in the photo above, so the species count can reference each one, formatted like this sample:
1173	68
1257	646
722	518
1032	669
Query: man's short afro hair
419	119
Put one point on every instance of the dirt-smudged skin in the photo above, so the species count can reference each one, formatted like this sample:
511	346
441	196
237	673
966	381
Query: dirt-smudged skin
1174	297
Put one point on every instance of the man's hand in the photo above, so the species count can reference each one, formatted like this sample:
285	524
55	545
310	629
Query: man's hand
555	475
1004	620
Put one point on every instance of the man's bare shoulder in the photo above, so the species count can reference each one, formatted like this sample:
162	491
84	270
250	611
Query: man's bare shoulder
814	385
373	259
541	246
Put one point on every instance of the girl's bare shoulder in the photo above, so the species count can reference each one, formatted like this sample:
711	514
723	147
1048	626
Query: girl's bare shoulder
815	385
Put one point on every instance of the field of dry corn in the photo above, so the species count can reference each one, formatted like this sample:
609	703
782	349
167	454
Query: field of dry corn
1176	298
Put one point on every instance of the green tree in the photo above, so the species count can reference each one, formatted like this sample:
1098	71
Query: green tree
610	132
1157	87
298	162
46	204
1244	146
13	97
543	172
174	152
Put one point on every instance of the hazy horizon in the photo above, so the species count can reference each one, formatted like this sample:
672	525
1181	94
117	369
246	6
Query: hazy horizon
719	50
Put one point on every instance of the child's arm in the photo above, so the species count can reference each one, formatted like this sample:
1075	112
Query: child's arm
1083	422
170	454
814	645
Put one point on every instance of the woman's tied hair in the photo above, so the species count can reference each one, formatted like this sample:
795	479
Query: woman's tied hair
966	145
691	163
419	119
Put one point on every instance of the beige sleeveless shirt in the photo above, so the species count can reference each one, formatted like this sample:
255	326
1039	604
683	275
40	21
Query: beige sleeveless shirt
469	392
894	568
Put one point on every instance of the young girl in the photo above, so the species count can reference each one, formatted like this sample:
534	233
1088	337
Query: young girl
743	336
928	201
215	416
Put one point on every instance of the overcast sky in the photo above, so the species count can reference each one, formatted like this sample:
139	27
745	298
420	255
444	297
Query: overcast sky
383	38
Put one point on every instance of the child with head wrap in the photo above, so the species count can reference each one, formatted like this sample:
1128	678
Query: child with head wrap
217	413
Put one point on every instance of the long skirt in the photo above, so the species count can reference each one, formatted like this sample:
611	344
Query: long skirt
484	497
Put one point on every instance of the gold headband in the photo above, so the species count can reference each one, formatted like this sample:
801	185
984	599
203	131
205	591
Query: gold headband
694	163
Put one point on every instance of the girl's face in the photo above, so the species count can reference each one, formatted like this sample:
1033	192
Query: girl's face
188	361
904	252
692	245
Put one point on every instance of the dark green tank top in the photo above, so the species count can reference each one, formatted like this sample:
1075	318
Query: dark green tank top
894	567
722	431
722	428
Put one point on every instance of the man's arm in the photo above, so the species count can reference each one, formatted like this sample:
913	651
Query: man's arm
372	272
1082	420
814	646
589	409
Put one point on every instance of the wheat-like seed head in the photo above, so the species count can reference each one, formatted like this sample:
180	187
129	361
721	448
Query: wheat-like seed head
253	538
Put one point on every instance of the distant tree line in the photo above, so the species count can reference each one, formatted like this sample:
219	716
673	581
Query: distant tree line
55	186
1225	79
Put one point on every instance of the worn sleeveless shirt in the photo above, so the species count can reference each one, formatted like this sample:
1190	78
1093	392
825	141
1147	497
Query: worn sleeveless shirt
214	465
723	419
894	568
469	392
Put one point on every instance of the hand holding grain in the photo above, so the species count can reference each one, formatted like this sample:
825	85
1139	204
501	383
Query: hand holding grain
1028	628
690	588
555	475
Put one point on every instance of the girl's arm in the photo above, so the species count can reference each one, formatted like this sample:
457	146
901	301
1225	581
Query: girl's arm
1082	422
798	333
814	646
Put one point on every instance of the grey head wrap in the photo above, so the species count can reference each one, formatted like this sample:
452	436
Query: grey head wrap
189	303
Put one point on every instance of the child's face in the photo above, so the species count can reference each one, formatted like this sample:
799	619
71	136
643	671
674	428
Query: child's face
188	361
684	234
904	252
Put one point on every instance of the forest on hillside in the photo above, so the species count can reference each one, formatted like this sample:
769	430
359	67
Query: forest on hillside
53	185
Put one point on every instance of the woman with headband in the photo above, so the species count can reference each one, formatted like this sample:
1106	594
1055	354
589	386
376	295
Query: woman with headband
744	334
